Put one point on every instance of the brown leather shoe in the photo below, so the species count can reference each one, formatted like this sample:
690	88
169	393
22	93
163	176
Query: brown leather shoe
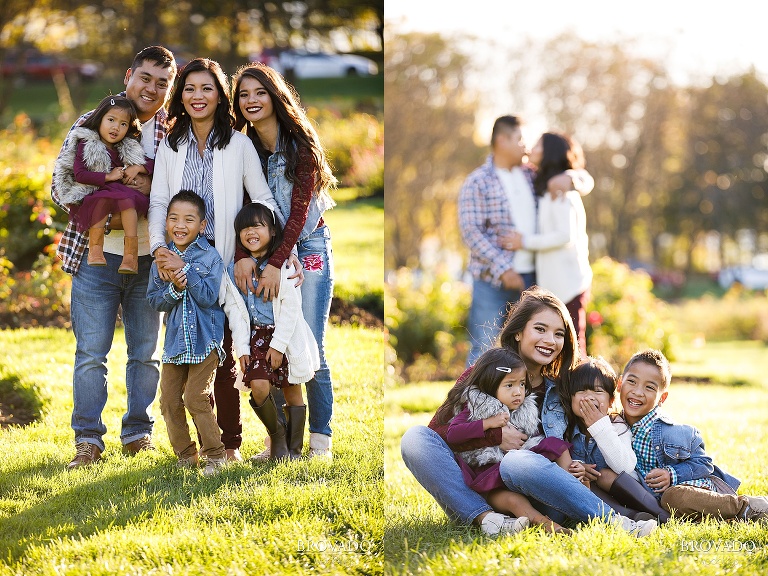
139	445
85	454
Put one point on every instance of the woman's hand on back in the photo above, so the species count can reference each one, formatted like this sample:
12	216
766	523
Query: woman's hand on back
512	438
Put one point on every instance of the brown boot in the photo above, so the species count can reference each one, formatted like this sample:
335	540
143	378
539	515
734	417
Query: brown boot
96	246
267	413
86	454
295	416
130	263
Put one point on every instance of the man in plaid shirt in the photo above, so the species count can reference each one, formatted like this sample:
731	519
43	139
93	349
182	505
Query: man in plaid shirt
495	199
98	291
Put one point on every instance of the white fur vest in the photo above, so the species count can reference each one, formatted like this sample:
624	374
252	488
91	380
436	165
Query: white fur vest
96	158
525	418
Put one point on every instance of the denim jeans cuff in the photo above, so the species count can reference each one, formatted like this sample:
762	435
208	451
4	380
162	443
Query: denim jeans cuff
128	438
95	440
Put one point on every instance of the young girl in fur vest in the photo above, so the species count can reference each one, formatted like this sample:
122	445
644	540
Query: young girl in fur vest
102	156
272	339
497	394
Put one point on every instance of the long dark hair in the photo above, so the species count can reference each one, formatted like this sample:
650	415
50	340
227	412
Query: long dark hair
532	301
258	213
590	374
484	376
296	130
560	153
178	119
93	122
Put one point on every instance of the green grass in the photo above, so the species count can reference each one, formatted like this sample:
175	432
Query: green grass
357	234
143	515
734	422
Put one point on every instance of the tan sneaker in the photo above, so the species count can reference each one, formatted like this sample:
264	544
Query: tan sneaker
191	462
214	466
264	455
233	455
495	524
85	454
140	445
320	446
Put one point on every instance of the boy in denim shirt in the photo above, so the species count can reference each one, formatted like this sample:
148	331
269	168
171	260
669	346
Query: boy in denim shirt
193	334
671	461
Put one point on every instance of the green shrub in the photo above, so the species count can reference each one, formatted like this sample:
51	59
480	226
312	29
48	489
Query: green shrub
425	316
623	315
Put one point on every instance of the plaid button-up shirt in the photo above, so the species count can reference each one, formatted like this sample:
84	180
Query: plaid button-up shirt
73	243
484	215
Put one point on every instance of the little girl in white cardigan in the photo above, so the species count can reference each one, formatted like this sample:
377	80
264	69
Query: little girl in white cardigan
272	339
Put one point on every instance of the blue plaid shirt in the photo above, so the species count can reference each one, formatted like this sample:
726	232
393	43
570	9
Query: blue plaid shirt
484	215
642	444
73	243
198	177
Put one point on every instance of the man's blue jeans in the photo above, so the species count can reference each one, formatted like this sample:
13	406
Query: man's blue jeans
488	313
97	292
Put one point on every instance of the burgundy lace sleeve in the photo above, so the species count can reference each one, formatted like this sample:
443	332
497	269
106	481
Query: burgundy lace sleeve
303	186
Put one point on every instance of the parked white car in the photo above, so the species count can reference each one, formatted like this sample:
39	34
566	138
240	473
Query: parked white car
302	64
750	277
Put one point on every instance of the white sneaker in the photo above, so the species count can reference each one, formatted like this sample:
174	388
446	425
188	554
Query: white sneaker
264	455
320	446
637	528
494	524
214	466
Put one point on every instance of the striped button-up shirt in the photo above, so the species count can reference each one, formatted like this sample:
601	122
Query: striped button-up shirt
198	177
72	244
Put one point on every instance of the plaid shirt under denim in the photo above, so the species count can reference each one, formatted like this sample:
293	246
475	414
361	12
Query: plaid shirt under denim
642	444
198	177
484	215
73	243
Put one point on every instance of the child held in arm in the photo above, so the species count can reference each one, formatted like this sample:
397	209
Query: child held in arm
496	395
193	334
671	460
272	339
602	453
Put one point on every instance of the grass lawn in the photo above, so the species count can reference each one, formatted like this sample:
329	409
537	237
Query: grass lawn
143	515
734	422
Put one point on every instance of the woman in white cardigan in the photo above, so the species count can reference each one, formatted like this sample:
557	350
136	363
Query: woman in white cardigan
202	153
561	243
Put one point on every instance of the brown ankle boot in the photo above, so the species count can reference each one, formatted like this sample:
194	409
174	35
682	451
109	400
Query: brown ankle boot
96	246
130	263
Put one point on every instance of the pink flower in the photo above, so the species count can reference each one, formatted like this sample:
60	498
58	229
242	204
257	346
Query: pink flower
313	263
595	318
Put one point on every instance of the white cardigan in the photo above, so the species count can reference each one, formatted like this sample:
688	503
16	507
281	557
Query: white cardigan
292	335
562	246
235	167
615	442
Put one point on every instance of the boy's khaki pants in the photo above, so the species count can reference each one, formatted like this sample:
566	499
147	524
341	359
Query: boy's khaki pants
698	503
190	385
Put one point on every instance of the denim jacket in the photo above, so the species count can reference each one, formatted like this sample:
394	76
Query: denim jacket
205	318
552	413
282	189
681	447
587	451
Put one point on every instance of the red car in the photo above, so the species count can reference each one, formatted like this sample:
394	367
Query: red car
38	66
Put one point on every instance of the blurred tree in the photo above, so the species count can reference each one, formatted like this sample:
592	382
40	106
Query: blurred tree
428	147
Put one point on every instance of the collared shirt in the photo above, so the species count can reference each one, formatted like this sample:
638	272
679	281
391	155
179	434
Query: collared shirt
642	444
198	177
188	356
73	243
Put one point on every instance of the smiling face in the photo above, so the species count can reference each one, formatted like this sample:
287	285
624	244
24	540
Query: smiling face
200	96
114	126
256	238
511	391
542	339
147	87
641	390
255	102
599	398
184	223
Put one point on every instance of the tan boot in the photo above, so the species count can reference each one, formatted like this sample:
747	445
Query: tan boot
96	246
130	263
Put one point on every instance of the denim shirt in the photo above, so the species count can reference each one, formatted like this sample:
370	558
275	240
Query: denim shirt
205	318
681	447
282	189
552	413
261	313
587	451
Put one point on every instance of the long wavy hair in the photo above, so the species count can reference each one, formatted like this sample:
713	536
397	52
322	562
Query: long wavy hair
590	374
296	130
178	119
560	153
532	301
485	376
93	122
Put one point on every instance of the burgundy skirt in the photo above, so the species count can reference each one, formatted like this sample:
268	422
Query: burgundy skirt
259	368
112	197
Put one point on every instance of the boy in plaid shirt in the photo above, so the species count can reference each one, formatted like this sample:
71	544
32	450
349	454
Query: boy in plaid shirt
671	460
